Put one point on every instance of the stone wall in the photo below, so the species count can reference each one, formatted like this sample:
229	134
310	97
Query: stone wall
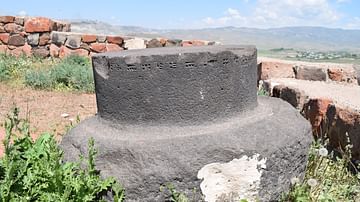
326	72
23	35
44	37
327	94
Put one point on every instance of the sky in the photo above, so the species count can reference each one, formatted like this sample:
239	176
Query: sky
193	14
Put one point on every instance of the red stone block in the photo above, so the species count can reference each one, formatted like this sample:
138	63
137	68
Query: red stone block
115	39
186	43
88	38
54	50
38	24
315	110
7	19
44	39
113	47
335	74
339	74
13	28
344	125
98	47
4	37
268	70
64	51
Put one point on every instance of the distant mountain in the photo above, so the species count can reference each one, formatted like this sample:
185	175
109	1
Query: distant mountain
98	27
302	38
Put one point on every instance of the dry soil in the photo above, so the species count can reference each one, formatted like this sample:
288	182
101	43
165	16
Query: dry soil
45	108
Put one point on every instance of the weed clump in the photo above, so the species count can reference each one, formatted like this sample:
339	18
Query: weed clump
33	170
12	67
327	177
72	73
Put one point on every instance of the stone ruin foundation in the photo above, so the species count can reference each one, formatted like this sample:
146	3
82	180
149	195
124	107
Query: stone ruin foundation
190	116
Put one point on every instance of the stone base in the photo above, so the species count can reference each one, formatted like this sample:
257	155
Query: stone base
143	158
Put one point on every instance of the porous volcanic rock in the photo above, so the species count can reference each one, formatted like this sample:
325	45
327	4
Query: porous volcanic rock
144	158
165	114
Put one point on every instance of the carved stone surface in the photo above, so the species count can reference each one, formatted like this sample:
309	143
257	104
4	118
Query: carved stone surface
175	85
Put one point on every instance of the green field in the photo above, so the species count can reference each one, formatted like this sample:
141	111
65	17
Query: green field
312	56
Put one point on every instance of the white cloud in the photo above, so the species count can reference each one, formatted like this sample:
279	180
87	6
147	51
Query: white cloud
343	1
232	12
295	12
354	23
22	13
270	13
232	17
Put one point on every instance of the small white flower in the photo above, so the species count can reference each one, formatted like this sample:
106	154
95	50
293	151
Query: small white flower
64	115
312	182
323	152
294	180
71	119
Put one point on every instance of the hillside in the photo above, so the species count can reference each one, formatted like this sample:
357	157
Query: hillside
300	38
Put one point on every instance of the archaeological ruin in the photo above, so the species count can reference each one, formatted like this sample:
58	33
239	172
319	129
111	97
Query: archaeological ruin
187	112
186	115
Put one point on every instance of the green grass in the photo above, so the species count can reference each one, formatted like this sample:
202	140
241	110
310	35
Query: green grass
34	170
262	92
73	73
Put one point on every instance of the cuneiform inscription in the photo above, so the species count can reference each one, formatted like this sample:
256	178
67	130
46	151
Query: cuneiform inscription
214	62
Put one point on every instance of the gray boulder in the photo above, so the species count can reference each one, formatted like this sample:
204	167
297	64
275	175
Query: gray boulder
33	39
73	41
58	38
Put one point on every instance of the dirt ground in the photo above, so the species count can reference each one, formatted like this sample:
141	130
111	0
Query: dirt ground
45	108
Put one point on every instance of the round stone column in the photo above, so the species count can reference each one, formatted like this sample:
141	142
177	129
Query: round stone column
176	85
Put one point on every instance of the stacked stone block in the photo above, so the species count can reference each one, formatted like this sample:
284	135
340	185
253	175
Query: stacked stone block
44	37
340	73
67	43
29	36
